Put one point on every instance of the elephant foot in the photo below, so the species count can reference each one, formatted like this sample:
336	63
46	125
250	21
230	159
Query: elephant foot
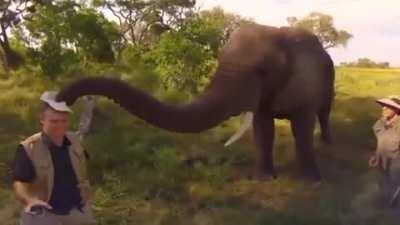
327	139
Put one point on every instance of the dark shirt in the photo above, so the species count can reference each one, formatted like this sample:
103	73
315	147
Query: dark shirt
65	194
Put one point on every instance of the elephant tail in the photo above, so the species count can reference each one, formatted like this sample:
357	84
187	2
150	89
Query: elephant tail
324	113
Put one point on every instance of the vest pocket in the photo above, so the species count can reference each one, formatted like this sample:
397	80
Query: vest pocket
43	172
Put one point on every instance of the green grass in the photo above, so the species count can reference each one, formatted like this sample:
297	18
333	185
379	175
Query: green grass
144	175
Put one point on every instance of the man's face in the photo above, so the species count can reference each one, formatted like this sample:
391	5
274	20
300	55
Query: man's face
387	112
54	124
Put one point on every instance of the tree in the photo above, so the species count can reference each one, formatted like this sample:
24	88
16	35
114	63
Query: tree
218	26
181	62
185	58
322	26
64	35
11	13
141	22
366	63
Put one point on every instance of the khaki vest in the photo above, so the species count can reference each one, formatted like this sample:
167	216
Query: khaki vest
38	152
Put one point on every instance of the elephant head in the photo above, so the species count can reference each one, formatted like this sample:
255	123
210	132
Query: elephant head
254	67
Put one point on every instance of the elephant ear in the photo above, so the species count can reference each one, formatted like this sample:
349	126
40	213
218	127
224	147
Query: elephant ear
278	58
287	38
281	60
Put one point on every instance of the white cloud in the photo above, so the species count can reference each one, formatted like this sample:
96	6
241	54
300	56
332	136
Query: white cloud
375	25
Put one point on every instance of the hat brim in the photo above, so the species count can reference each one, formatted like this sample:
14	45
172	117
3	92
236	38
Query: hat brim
49	98
388	103
59	106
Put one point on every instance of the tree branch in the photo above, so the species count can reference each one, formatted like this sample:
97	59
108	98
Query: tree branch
114	13
329	46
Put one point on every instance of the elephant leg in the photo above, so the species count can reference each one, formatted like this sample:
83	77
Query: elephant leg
263	125
323	117
302	125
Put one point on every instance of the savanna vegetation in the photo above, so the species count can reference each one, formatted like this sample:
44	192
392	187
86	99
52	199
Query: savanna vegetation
366	63
144	175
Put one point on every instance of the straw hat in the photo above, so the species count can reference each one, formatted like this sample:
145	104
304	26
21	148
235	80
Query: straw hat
390	101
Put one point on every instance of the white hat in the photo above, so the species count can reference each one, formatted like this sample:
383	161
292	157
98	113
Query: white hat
390	101
50	98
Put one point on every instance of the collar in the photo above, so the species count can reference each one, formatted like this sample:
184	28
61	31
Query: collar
50	144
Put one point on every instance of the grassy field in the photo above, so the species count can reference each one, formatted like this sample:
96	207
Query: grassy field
143	175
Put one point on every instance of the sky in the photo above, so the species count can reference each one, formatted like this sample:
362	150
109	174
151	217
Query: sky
375	25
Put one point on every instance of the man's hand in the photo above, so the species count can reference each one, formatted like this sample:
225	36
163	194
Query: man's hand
373	161
379	161
35	202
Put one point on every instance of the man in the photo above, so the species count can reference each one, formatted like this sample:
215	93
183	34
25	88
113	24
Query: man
50	176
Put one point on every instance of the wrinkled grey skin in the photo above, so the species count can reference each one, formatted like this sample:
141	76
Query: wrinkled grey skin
272	72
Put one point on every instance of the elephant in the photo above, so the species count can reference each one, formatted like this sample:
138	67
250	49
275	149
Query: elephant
264	71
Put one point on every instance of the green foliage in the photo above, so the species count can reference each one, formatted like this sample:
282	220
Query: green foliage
217	26
93	35
167	160
135	70
142	22
181	62
322	26
186	58
113	189
11	13
65	36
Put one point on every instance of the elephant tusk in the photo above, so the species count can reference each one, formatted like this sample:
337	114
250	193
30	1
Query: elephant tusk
246	123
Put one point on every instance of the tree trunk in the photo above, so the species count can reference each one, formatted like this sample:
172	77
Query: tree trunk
11	59
86	117
3	61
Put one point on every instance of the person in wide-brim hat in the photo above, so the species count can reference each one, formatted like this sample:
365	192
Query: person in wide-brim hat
387	154
387	129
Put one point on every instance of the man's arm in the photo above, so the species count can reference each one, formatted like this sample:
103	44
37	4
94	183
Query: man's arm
22	193
23	174
378	126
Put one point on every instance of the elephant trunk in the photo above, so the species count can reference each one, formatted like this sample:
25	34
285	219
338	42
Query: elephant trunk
222	100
